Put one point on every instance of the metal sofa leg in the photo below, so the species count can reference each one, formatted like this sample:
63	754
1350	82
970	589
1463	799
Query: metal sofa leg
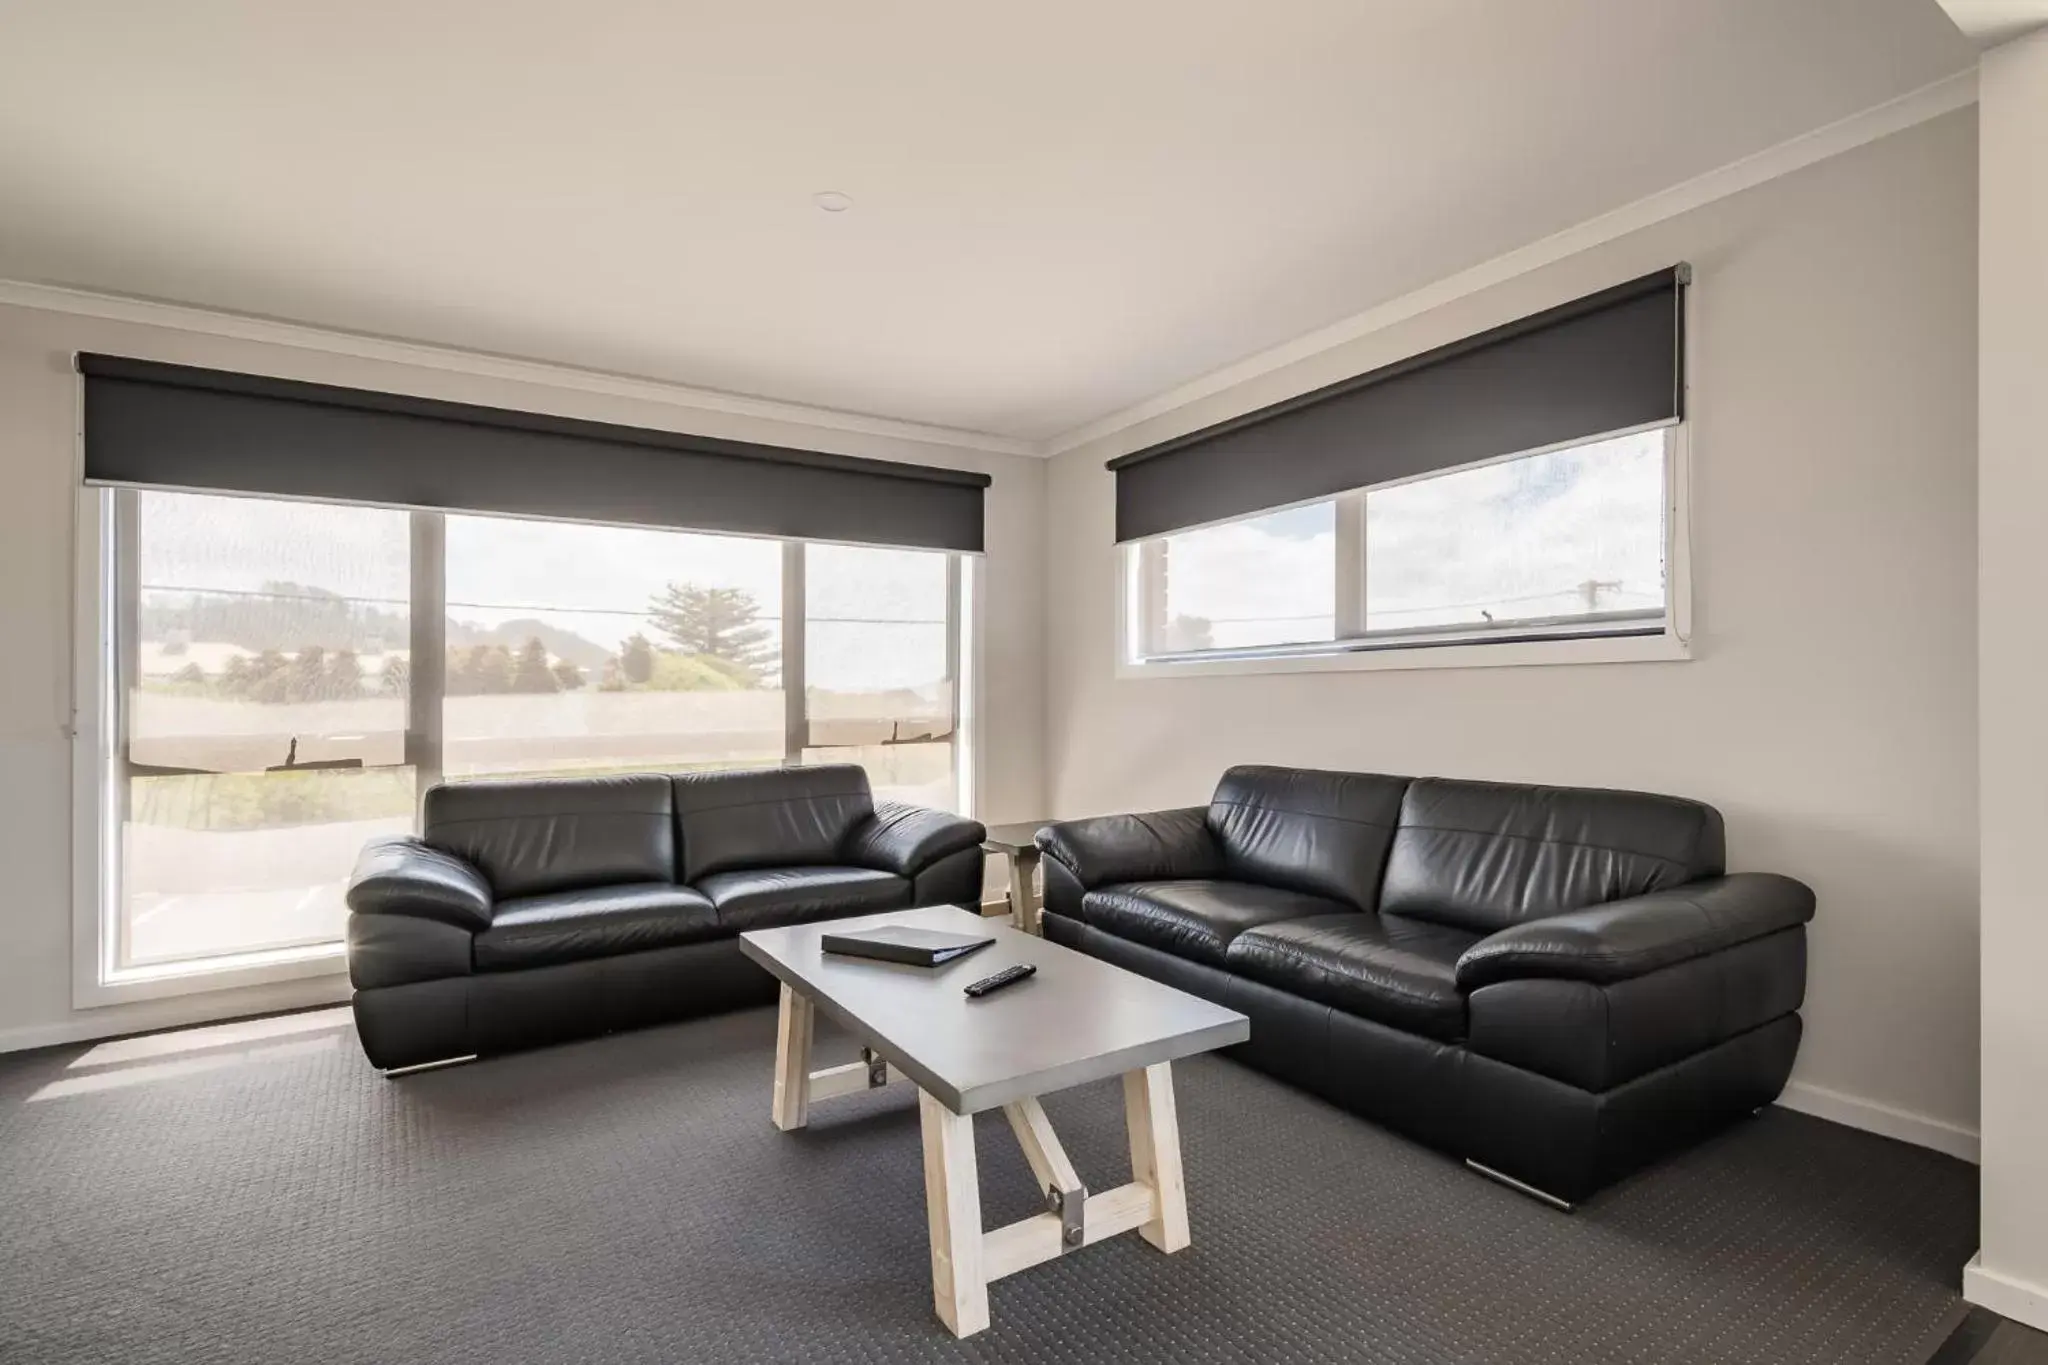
1521	1187
393	1073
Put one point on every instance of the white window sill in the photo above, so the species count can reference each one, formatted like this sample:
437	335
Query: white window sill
197	978
1619	649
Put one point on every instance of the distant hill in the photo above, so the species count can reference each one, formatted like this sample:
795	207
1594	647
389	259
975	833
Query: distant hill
562	644
280	615
289	617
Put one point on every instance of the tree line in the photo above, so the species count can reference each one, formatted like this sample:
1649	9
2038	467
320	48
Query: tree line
712	642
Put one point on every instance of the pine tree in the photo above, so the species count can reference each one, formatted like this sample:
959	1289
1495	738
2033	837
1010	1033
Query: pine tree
270	677
716	623
236	676
636	659
531	672
485	670
307	677
344	676
493	669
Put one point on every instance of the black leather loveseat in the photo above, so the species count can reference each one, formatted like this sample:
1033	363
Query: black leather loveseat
535	911
1557	984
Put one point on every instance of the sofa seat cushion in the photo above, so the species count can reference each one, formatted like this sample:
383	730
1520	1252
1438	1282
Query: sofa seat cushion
1395	971
600	921
764	897
1198	918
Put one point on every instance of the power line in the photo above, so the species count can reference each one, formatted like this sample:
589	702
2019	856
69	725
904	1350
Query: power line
528	607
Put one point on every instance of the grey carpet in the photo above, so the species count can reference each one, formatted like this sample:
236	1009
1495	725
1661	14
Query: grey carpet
626	1200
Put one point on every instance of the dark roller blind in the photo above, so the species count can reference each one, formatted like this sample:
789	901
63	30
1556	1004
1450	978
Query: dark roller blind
174	426
1607	362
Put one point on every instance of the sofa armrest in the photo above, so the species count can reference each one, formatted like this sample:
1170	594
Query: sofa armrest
1156	846
1628	938
403	876
908	839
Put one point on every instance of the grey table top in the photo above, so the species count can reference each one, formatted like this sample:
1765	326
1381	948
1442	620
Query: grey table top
1007	837
1077	1020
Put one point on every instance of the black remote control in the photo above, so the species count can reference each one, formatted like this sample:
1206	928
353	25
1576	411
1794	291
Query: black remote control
1005	977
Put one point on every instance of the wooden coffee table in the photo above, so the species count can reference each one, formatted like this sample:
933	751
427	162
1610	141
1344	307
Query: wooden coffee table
1077	1020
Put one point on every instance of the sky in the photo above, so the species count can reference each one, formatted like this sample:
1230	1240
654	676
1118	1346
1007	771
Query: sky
1518	538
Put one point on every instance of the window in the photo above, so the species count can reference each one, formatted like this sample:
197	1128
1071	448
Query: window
1559	545
260	655
279	681
881	675
574	648
1265	580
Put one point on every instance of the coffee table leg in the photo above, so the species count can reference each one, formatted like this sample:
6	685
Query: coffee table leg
952	1199
793	1061
1155	1152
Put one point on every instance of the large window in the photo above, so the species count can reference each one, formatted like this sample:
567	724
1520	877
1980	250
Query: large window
577	648
881	680
1563	544
279	681
260	650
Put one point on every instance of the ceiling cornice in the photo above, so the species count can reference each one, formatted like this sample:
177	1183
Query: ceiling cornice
1987	23
1915	107
364	346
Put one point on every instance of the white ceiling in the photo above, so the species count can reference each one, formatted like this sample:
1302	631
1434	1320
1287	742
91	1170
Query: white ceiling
1060	208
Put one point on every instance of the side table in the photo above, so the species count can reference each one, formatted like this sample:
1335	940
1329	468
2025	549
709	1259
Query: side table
1014	842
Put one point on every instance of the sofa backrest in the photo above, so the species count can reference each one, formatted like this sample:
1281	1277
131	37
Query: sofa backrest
771	817
537	835
1324	833
1484	855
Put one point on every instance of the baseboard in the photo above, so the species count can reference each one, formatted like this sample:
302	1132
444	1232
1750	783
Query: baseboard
2005	1296
1882	1119
119	1021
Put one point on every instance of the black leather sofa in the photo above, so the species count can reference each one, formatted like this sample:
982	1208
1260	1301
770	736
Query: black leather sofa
531	912
1557	984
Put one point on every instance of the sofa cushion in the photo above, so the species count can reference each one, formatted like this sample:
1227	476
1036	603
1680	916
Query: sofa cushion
531	837
1485	855
775	817
761	898
1196	919
1400	972
1149	846
1320	832
570	926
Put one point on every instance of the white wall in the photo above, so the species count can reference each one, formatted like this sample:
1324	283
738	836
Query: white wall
2012	1271
38	419
1830	711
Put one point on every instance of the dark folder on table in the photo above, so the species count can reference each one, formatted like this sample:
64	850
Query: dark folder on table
918	947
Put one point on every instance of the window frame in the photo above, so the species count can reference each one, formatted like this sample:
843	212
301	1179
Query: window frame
102	627
1555	641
